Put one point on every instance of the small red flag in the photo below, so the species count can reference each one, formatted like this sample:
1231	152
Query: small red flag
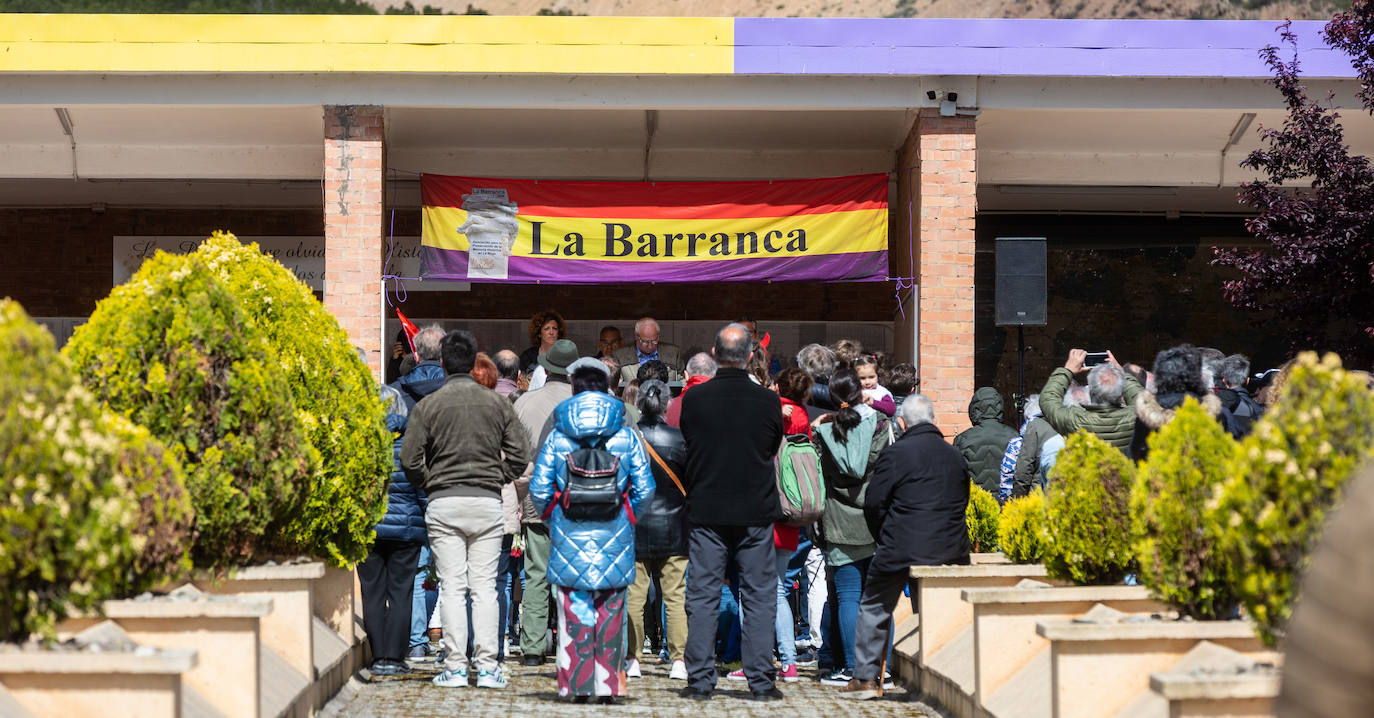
410	329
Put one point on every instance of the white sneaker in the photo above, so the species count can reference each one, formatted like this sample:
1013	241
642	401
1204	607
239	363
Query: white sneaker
452	679
491	679
679	671
632	669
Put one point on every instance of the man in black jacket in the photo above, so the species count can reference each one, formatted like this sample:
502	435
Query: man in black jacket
732	428
915	507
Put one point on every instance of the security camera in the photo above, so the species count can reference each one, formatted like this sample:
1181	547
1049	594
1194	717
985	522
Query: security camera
931	94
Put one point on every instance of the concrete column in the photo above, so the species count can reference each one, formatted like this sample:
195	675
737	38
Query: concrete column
936	188
354	177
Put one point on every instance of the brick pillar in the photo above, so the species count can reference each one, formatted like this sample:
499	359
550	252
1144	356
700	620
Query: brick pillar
353	182
938	177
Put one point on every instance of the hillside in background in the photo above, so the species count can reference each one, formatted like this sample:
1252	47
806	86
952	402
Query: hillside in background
1145	9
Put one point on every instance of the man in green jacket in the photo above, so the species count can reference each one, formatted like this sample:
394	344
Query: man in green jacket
1108	417
462	444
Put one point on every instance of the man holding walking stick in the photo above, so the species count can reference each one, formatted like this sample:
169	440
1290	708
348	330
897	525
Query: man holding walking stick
915	507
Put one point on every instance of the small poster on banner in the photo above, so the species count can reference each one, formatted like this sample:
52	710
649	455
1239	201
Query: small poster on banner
491	228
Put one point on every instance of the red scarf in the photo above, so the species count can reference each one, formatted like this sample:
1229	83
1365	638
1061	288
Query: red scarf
693	381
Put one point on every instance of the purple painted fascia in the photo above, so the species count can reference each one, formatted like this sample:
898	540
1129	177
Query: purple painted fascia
1036	48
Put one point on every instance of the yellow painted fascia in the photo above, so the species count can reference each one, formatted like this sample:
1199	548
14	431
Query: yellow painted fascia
365	43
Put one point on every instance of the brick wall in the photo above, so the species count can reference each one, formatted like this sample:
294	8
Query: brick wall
58	262
944	189
354	167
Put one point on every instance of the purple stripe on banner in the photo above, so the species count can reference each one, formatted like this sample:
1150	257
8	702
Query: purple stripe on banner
452	265
1084	48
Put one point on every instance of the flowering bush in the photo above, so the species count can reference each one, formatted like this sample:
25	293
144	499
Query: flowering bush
1174	507
171	350
981	517
336	401
1021	530
1087	515
94	507
1291	474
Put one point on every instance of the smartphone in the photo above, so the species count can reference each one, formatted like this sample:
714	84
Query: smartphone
1095	358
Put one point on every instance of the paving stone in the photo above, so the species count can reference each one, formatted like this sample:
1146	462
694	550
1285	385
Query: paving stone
532	691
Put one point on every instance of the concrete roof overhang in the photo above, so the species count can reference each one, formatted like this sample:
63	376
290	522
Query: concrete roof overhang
236	98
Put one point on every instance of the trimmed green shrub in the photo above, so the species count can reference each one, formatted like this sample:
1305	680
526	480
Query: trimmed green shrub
1176	526
981	517
1292	471
1087	514
1021	530
94	507
171	350
336	399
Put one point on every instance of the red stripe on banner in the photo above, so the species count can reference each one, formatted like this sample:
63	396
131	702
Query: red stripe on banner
669	200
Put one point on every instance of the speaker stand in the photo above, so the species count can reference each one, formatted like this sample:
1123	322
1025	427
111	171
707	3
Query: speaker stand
1020	402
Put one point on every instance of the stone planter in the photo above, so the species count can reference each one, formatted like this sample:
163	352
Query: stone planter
943	666
287	650
338	641
224	630
1100	665
333	601
119	680
1215	681
1011	666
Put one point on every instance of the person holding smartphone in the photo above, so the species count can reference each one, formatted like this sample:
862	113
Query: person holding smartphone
1109	416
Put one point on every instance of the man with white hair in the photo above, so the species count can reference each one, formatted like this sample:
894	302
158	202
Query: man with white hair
915	507
428	375
701	368
1035	439
1110	415
647	346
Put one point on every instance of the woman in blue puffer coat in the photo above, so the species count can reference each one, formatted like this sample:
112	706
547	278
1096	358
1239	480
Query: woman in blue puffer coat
591	562
387	575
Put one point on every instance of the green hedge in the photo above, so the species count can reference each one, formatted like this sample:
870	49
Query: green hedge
1087	512
1021	532
94	507
172	351
1176	523
1293	470
981	517
336	401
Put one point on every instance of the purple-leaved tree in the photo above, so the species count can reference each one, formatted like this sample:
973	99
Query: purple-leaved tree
1316	276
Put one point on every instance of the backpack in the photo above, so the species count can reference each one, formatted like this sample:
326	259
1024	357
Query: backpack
591	493
801	489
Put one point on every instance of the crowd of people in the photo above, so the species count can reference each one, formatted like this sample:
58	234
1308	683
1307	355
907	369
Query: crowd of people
1120	404
621	510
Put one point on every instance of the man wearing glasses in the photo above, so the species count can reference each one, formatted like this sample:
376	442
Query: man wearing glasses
608	341
647	347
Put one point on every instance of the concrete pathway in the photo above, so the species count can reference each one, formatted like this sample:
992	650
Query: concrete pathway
532	693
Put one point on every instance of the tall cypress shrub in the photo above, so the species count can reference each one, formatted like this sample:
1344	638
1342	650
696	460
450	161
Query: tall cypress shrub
94	507
336	401
1174	507
172	351
1292	471
1087	512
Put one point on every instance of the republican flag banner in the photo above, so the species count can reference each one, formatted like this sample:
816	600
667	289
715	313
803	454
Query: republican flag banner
525	231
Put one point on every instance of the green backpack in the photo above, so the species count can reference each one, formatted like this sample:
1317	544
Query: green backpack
801	489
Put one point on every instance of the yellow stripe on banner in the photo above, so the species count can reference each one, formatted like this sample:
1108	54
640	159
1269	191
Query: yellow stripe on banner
632	240
352	43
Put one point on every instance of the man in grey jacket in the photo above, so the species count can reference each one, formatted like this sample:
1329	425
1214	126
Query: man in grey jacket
534	409
462	443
